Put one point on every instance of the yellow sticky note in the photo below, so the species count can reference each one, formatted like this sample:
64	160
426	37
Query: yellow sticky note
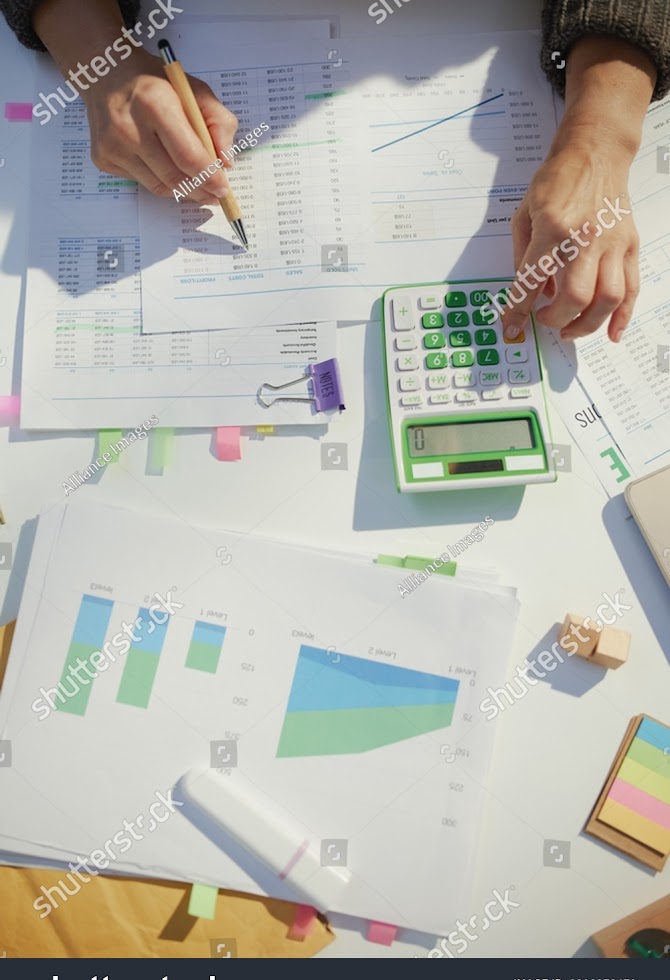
202	903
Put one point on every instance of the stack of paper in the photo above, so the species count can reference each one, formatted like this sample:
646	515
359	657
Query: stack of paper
353	708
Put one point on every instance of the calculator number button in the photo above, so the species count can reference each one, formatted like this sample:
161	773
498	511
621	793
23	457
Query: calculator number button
405	343
437	381
408	400
432	340
488	356
436	361
464	379
480	297
518	376
518	356
484	338
483	319
458	319
430	301
408	362
456	298
466	396
490	378
432	321
403	317
462	358
460	338
410	383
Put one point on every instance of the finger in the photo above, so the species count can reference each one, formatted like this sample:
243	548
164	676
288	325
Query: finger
573	294
521	234
530	281
147	178
609	295
221	122
159	161
183	147
621	317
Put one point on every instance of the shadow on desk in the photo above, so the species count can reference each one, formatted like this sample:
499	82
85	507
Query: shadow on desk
378	504
645	577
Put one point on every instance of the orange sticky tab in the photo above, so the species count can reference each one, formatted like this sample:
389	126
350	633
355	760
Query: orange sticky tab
228	443
305	917
382	933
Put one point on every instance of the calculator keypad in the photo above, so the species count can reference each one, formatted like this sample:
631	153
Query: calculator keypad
460	356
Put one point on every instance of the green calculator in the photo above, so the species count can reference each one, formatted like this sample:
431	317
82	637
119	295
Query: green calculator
466	408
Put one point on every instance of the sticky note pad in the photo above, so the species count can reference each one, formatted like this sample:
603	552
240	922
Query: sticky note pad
638	800
202	903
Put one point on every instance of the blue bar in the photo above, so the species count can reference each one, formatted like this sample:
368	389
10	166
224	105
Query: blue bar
654	733
151	634
92	621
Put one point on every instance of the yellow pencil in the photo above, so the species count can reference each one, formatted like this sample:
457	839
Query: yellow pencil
180	83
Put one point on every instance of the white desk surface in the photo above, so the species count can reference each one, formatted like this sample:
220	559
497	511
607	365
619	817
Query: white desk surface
562	545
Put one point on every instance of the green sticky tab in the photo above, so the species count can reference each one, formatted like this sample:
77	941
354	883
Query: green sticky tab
415	563
107	440
202	903
419	564
390	560
161	443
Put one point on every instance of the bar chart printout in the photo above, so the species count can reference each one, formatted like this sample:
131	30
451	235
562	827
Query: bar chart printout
342	704
205	646
142	660
88	637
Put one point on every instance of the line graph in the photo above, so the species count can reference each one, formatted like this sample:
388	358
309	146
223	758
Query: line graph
439	122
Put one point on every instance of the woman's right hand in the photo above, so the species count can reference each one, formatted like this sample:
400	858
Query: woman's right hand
139	129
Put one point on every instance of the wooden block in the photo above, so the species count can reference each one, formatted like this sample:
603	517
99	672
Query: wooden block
586	646
612	648
612	941
610	835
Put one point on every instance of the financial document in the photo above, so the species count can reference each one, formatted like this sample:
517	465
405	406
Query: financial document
86	362
628	384
382	163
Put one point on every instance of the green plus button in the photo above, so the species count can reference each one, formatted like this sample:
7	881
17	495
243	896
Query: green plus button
456	298
432	340
434	361
459	319
483	319
489	356
485	337
460	338
462	358
432	321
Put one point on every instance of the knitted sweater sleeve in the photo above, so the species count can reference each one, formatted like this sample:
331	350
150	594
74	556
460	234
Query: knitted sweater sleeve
645	23
19	16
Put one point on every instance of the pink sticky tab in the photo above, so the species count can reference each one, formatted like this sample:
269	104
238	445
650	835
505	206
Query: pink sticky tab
19	111
10	409
381	933
228	443
305	917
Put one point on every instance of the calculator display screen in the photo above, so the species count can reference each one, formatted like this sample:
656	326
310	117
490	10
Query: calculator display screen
456	438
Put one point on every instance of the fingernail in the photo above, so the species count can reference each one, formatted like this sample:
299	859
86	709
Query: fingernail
618	335
221	193
511	333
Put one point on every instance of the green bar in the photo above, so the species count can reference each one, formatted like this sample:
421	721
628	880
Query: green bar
325	95
203	656
77	703
390	560
648	755
358	729
138	678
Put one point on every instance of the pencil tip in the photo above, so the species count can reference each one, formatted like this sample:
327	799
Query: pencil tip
238	228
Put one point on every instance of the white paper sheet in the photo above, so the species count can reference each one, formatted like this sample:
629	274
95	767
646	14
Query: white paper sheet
86	363
409	819
392	162
629	383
